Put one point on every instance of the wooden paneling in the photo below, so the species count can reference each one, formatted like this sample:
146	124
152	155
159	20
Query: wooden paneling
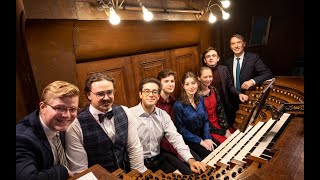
48	9
50	48
184	60
27	98
99	39
130	70
119	69
148	65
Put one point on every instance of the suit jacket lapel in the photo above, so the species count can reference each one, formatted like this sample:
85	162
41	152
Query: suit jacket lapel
35	122
244	62
222	76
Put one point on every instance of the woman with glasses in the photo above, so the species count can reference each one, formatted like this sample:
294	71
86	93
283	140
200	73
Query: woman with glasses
37	154
191	118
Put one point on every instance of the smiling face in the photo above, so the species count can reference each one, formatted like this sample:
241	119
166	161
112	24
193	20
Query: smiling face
190	85
59	105
53	117
211	58
168	84
237	45
149	95
205	77
101	95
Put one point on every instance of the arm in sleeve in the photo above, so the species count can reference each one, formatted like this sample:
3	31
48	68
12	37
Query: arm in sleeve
28	161
134	147
174	137
180	124
263	71
230	84
75	152
222	118
206	127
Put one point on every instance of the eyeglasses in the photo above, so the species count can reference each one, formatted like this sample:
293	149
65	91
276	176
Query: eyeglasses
102	94
63	109
147	92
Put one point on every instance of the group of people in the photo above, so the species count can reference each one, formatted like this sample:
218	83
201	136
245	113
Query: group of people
160	132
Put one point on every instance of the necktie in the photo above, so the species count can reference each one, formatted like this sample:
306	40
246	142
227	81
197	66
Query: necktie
60	151
109	115
238	75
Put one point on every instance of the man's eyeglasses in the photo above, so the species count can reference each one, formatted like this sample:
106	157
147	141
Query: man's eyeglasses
63	109
147	92
102	94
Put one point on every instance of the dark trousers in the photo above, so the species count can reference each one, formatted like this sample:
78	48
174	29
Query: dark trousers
201	151
195	155
168	163
235	102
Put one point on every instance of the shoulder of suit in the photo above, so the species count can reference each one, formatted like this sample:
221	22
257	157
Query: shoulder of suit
250	54
222	66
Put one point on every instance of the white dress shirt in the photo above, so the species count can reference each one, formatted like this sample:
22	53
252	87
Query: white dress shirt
235	69
76	154
152	128
50	135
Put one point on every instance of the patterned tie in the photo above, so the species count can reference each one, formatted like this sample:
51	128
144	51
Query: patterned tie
109	115
238	75
60	151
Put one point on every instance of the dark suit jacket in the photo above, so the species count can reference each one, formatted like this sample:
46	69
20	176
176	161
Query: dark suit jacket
252	68
227	84
34	158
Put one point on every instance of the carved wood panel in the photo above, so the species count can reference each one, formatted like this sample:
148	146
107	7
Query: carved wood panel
149	65
119	68
184	60
129	71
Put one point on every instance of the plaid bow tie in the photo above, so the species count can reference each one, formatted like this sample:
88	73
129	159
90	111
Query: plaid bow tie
109	115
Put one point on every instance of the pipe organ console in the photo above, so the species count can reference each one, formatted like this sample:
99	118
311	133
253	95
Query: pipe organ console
271	147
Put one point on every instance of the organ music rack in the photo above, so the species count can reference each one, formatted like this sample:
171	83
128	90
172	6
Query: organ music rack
272	147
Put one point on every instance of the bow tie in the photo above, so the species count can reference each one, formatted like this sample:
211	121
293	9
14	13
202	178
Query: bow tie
109	115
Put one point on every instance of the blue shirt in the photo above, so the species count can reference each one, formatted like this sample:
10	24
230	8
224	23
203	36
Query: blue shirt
192	124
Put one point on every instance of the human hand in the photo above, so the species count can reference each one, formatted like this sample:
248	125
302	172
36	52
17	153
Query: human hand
243	97
205	145
197	166
227	133
247	84
210	143
70	174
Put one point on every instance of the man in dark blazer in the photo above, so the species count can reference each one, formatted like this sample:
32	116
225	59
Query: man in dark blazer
36	154
222	81
252	69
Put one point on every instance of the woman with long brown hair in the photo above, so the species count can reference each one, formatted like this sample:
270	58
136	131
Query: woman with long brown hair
191	118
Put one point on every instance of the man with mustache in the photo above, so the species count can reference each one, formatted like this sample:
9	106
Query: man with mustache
103	133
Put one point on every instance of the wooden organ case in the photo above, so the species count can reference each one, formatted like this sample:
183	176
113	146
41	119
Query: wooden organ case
271	147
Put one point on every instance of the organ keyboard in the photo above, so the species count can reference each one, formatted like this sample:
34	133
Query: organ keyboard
231	154
270	148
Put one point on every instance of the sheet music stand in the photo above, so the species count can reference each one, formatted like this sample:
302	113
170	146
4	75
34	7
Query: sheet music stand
257	107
